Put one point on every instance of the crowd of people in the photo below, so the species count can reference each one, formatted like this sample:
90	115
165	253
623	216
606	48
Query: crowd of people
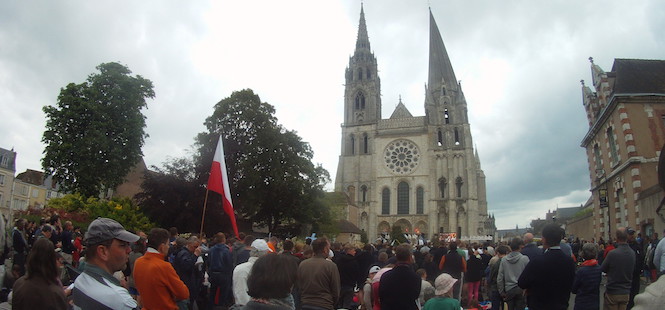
54	266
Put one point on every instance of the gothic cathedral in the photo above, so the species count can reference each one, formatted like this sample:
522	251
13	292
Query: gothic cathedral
418	172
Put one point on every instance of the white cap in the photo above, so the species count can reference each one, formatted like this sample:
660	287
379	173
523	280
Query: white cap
261	245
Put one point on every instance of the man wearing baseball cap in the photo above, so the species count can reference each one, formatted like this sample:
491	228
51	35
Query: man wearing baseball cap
107	249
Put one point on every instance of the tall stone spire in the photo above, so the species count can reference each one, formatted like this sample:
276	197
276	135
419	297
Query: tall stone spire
440	68
363	86
362	42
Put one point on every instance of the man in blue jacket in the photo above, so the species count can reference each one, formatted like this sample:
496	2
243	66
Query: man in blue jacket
220	272
186	268
530	248
400	287
548	278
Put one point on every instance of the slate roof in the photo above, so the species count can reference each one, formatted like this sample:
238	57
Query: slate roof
11	159
566	213
31	176
401	112
639	76
348	227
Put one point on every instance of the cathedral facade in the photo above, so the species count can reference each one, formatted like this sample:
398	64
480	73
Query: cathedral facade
417	172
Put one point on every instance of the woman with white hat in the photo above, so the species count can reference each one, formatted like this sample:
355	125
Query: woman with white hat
444	298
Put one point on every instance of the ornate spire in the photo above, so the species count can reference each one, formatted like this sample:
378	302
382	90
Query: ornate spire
363	86
597	73
440	68
362	42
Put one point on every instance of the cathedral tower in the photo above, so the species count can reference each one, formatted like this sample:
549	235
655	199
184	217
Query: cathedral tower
362	95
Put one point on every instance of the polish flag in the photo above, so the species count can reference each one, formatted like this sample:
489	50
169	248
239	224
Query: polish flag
219	182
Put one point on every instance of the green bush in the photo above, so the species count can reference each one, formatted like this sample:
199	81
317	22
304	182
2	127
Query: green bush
82	211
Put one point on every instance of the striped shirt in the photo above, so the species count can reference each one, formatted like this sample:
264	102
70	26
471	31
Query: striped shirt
97	289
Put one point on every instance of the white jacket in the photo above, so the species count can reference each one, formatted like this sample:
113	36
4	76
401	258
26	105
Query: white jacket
659	256
240	275
653	297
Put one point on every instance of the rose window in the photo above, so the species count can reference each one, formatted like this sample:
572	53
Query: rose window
402	156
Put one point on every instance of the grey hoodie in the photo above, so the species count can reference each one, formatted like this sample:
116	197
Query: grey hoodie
510	269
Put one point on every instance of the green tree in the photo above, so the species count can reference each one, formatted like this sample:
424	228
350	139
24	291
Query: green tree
336	203
397	234
273	179
95	133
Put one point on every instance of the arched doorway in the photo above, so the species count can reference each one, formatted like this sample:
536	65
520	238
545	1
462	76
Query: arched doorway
405	225
384	228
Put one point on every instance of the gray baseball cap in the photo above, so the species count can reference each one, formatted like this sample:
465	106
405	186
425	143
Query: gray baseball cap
103	229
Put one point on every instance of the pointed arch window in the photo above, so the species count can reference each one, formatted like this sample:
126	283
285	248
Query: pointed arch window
442	187
360	101
385	201
457	141
458	184
403	198
363	193
360	73
369	74
420	200
439	137
352	145
446	116
365	144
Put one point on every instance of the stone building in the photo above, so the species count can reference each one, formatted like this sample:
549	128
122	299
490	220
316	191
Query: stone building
7	171
626	114
132	182
418	172
33	189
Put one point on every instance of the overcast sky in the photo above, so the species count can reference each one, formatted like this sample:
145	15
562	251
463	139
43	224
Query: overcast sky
520	63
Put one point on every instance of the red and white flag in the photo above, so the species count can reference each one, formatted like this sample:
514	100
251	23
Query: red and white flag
219	182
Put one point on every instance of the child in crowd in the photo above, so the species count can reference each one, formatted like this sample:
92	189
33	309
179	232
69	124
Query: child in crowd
426	289
444	298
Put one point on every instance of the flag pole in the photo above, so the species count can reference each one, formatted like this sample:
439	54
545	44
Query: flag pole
203	216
